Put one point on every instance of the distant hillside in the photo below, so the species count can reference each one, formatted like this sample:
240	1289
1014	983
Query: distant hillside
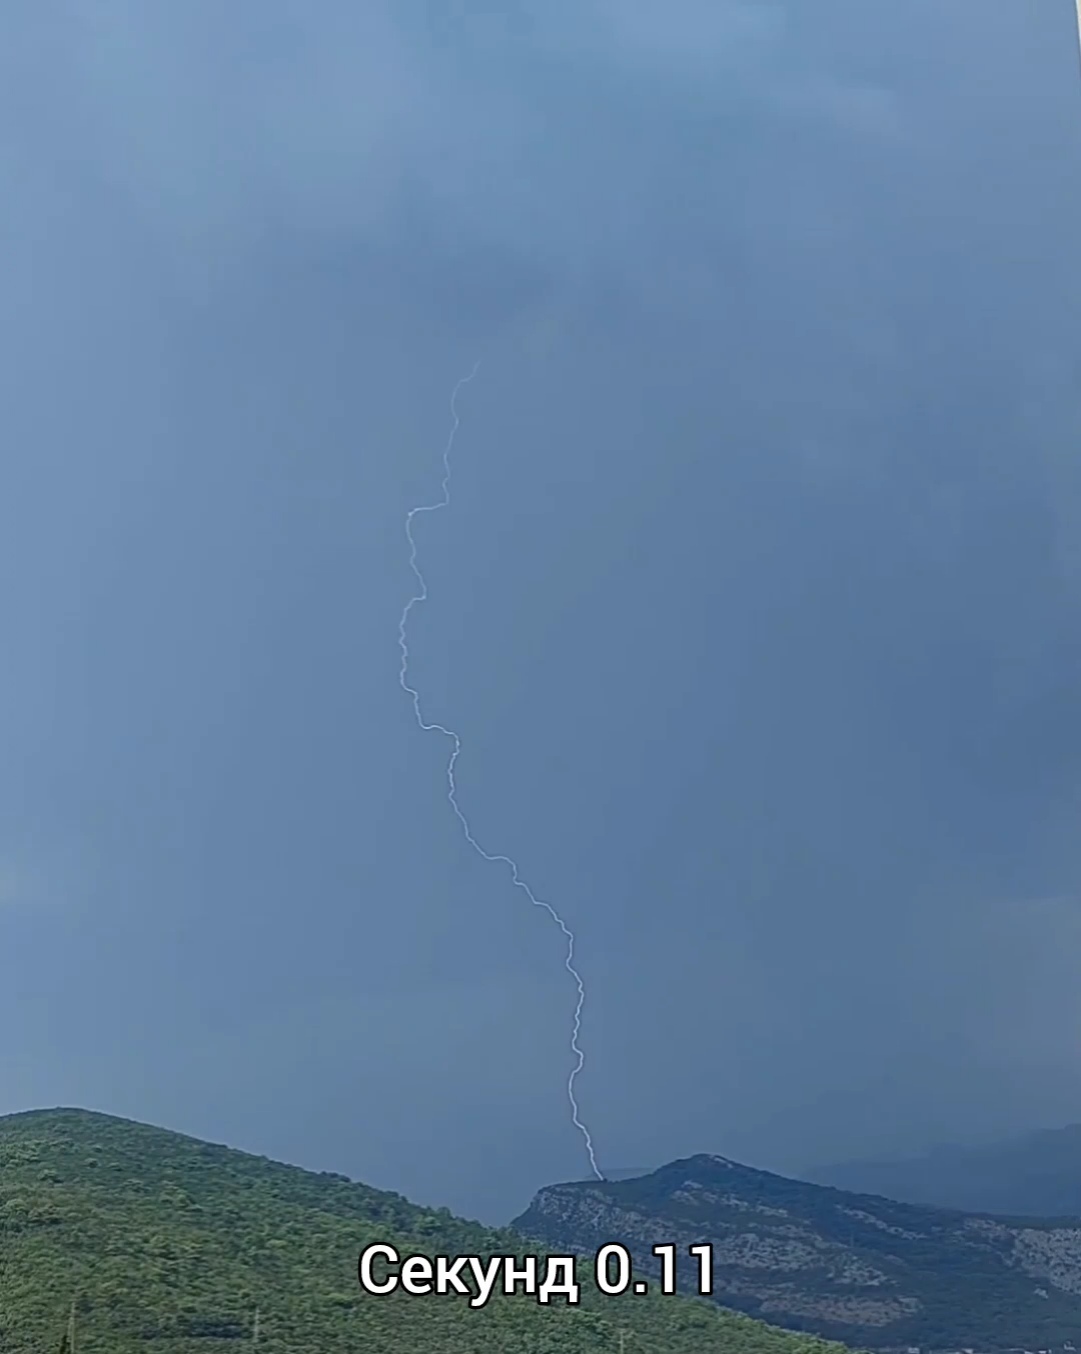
1038	1174
849	1266
168	1245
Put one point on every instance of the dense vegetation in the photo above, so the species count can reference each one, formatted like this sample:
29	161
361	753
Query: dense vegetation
850	1267
168	1245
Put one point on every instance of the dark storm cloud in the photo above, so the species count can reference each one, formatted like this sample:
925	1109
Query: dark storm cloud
758	606
548	129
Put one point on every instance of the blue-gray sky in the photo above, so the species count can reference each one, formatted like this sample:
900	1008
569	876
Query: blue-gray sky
757	606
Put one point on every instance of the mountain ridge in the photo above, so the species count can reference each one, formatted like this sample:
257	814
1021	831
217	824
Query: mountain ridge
855	1267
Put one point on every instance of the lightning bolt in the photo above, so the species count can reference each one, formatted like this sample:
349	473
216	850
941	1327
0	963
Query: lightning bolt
421	595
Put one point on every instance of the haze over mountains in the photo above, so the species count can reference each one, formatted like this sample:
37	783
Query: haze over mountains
1035	1174
1038	1173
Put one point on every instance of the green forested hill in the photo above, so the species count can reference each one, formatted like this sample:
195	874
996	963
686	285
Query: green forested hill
168	1245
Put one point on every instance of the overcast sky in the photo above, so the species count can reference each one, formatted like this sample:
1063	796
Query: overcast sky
757	606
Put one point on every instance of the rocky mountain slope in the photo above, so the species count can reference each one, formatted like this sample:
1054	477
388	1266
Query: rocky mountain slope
1037	1173
166	1245
851	1267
